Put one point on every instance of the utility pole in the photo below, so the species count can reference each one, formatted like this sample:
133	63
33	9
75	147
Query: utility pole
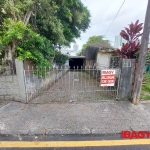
142	56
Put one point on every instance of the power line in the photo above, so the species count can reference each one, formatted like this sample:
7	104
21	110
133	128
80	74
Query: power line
114	17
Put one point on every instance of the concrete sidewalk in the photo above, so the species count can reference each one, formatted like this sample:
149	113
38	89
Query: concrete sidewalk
73	118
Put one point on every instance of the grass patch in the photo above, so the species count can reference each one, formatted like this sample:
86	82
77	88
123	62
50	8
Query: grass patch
145	93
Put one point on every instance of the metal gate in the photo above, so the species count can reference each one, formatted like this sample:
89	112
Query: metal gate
61	84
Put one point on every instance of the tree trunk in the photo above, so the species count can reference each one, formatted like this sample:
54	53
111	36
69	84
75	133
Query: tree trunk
27	17
10	56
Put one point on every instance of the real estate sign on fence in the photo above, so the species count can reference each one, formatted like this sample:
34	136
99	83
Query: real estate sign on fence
107	78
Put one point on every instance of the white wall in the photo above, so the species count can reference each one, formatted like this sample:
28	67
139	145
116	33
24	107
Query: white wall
103	60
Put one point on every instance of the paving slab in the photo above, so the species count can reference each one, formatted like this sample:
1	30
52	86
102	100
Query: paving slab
105	117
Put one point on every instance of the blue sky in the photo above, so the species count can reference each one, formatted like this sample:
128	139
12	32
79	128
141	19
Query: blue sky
104	11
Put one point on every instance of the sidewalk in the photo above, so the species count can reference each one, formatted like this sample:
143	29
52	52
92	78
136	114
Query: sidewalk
73	118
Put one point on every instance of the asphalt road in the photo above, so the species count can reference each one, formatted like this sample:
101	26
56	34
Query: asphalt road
71	138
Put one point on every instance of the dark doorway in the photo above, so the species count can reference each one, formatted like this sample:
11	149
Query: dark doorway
76	63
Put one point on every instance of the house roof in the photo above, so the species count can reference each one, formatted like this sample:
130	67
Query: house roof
82	57
101	46
91	51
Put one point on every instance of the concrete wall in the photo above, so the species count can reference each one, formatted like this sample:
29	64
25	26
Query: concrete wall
28	65
126	79
9	88
12	85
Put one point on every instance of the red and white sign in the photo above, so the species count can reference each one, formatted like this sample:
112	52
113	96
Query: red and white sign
107	78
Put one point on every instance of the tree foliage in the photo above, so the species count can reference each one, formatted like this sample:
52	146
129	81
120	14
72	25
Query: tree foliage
65	23
60	58
36	48
131	35
15	15
11	31
58	22
94	40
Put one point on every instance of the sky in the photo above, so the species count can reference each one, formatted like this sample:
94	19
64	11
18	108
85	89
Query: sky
103	12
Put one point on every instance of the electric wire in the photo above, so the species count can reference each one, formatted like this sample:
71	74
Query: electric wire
114	18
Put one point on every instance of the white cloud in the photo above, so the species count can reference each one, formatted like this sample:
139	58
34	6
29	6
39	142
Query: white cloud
104	11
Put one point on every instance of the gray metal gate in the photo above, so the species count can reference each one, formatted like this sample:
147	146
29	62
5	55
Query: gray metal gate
61	84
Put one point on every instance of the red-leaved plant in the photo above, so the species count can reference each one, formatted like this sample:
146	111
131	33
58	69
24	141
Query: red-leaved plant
131	35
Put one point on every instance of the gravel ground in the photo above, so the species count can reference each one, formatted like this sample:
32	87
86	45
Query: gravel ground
76	86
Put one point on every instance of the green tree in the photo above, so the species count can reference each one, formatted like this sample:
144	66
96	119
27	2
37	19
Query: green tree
60	58
59	21
15	15
36	48
94	40
70	18
10	33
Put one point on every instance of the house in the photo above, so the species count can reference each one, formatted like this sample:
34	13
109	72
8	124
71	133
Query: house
104	59
99	55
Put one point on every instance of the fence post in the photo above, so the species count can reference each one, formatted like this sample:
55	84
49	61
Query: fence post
21	79
126	79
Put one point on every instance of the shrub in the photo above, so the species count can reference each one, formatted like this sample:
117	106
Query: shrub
36	48
60	58
131	35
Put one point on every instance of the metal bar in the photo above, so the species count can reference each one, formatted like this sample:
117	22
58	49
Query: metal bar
27	97
69	91
117	95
